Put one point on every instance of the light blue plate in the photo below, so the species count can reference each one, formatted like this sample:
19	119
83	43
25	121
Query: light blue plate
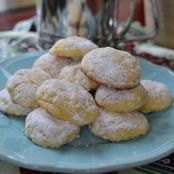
99	155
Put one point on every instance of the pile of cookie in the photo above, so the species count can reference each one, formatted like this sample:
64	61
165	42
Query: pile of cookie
78	84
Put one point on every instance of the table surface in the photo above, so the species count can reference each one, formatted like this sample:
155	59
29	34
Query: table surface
7	168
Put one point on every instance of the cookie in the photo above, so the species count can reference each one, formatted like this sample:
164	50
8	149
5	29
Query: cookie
117	127
120	100
158	96
67	101
73	46
47	131
74	74
23	84
9	107
112	68
51	64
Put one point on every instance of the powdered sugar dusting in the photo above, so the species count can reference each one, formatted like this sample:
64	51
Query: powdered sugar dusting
42	126
80	43
156	89
111	67
51	64
74	74
77	117
72	44
9	107
112	122
23	84
71	98
133	98
158	96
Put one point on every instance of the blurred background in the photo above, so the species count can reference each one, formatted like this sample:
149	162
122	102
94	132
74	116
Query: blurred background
153	18
13	11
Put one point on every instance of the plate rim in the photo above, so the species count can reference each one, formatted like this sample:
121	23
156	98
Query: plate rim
15	159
